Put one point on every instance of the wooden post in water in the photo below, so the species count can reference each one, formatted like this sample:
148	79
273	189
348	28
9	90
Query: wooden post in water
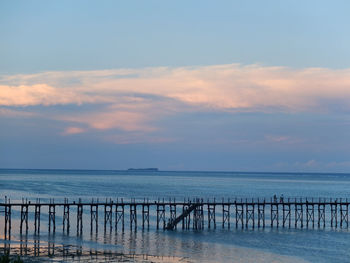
299	213
310	214
249	214
244	211
94	216
172	211
79	218
334	218
23	246
286	213
160	213
145	213
202	213
274	213
198	215
211	214
195	224
239	213
7	219
37	217
24	215
50	248
133	215
186	220
261	214
7	230
321	220
36	247
108	208
344	214
66	223
119	214
225	213
52	215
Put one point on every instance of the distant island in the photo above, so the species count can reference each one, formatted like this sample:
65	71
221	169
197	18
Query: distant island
144	169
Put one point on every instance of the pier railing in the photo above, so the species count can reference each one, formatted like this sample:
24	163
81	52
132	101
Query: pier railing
196	213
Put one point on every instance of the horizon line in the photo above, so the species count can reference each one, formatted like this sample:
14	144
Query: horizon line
159	170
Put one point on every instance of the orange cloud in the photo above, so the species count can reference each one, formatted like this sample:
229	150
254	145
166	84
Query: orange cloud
218	87
121	120
73	130
134	99
43	94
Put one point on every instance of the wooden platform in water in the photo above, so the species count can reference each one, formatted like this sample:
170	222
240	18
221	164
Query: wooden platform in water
192	213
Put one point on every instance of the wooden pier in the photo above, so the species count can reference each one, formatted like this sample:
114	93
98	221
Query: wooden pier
195	214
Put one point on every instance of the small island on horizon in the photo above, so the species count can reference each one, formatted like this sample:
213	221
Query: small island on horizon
144	169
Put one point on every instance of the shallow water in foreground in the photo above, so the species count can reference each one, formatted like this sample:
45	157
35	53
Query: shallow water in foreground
219	245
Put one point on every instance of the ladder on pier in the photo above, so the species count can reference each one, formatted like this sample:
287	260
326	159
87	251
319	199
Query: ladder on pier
171	224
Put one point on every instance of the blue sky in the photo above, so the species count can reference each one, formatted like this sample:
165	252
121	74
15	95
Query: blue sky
184	85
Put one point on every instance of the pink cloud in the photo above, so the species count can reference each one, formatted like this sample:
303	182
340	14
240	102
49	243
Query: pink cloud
73	130
104	120
43	94
133	100
219	87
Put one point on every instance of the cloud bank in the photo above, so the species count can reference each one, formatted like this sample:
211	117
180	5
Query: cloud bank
231	86
131	99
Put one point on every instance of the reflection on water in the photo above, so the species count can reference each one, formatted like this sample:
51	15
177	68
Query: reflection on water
52	250
139	246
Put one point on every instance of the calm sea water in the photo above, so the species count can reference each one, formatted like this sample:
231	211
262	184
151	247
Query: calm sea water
220	245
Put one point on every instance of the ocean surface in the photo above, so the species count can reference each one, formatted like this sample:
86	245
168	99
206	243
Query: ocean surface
219	245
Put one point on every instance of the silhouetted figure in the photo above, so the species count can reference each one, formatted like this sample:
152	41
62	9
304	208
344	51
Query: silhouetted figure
281	198
275	198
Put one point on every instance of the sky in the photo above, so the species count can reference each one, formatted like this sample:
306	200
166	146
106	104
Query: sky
179	85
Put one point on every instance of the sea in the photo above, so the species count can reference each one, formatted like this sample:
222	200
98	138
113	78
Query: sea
209	245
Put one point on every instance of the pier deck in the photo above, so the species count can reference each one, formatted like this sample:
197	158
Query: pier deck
198	213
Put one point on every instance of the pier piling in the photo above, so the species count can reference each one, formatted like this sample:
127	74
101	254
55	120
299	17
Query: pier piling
145	214
79	218
261	213
211	214
37	212
66	223
196	213
225	214
119	214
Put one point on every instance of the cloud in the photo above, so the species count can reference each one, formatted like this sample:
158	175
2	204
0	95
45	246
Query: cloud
121	120
316	165
73	130
312	166
136	100
11	113
277	138
282	139
43	94
311	163
344	164
218	87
